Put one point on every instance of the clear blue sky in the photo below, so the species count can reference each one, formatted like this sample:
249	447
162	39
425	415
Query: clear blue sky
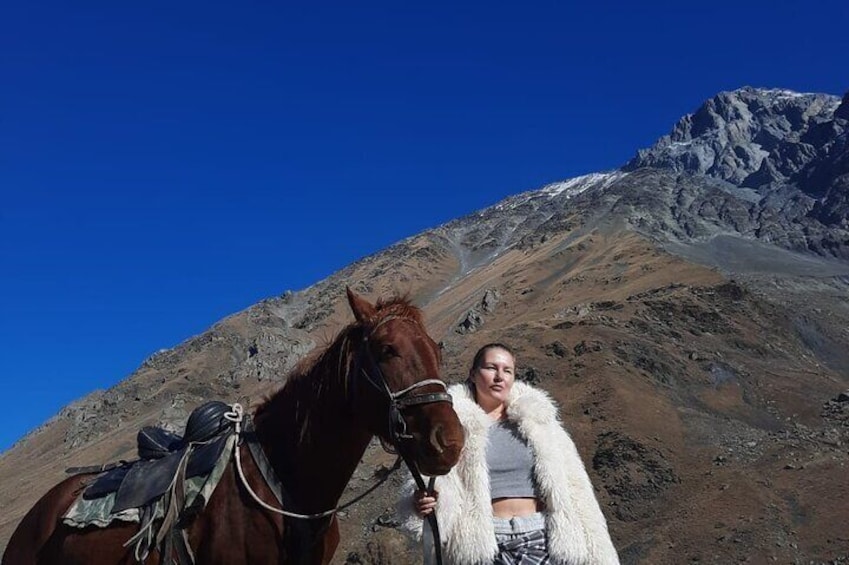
165	164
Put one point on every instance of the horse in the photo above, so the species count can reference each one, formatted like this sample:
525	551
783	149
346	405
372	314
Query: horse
378	377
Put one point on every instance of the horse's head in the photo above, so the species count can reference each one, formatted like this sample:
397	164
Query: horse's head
397	386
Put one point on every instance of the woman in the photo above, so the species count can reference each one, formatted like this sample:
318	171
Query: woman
519	492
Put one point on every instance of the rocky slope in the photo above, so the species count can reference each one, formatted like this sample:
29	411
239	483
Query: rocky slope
688	312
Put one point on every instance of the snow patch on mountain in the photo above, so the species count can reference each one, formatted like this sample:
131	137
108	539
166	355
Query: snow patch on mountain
575	186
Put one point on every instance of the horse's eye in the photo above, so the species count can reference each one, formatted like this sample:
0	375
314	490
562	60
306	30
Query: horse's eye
387	352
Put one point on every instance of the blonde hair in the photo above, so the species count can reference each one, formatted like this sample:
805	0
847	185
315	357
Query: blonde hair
478	359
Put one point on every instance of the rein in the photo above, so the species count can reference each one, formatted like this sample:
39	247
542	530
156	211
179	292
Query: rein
238	418
397	401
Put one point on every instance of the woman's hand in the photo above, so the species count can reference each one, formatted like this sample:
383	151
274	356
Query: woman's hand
425	502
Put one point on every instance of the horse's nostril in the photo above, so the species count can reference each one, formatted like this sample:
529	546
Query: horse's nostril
436	439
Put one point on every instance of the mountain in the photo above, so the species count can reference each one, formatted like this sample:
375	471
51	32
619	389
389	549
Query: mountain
688	312
788	150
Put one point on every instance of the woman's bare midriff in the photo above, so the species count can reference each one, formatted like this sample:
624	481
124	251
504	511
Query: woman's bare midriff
510	507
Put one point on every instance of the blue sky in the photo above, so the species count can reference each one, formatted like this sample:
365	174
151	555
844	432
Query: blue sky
163	165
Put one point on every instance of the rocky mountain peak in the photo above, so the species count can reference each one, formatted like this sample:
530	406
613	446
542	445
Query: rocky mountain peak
752	137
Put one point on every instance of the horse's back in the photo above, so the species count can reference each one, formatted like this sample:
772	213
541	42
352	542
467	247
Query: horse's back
42	539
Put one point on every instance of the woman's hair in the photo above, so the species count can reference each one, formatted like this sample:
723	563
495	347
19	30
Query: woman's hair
476	362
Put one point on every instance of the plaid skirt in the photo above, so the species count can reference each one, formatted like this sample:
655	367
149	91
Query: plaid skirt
521	540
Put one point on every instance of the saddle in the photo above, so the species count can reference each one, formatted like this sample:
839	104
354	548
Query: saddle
161	452
170	481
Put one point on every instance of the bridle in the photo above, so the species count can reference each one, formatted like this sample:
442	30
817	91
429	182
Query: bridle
397	401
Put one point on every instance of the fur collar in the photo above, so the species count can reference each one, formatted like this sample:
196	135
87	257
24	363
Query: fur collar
525	403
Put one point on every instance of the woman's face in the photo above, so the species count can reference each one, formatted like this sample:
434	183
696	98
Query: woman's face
493	378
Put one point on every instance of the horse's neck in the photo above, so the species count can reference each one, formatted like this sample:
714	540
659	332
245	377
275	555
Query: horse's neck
312	441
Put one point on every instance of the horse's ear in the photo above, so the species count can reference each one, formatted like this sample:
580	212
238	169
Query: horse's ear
362	308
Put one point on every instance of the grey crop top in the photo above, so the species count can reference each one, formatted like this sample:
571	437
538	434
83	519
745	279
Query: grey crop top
510	463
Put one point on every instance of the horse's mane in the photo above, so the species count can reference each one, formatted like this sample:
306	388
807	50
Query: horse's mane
329	366
399	306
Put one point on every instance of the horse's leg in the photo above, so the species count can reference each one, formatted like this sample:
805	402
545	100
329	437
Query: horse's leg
326	547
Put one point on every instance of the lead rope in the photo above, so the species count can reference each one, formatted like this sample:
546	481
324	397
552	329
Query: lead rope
431	518
237	417
434	525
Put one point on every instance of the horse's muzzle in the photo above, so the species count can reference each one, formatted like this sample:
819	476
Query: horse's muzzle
439	451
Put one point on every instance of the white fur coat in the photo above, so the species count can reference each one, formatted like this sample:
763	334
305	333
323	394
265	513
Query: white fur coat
577	530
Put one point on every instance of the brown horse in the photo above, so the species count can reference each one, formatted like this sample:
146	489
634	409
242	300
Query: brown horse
313	431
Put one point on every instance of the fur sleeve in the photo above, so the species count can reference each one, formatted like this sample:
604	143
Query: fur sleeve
599	545
447	506
577	528
409	521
